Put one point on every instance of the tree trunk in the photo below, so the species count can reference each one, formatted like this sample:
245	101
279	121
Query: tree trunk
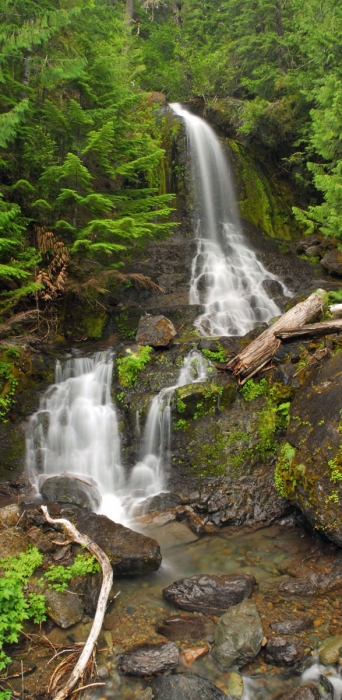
258	353
312	330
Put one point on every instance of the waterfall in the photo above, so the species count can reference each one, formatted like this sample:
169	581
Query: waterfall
75	432
226	275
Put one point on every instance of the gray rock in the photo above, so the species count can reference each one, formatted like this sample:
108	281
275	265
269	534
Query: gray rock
332	262
238	636
149	662
284	651
157	331
65	489
185	686
291	626
331	650
210	594
305	692
189	627
65	609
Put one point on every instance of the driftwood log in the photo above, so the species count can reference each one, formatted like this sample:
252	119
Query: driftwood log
258	353
313	330
107	582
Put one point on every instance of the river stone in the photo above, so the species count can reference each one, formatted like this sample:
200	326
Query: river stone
157	331
291	626
185	686
331	650
64	608
129	552
187	627
284	651
235	685
65	489
332	262
238	636
305	692
149	662
210	594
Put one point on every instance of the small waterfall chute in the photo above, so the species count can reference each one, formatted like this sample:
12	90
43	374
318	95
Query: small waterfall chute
226	275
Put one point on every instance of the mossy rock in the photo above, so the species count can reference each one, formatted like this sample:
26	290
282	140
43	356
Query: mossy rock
309	466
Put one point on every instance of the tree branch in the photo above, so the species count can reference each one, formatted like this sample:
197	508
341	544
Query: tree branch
107	583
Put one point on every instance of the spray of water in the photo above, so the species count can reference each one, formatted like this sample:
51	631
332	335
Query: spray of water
226	275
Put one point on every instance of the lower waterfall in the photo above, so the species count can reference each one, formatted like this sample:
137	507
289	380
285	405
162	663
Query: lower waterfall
75	432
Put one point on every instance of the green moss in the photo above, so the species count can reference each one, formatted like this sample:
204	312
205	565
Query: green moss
131	365
264	202
94	325
251	389
285	475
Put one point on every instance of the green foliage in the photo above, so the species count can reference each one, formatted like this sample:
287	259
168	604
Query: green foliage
8	384
181	406
181	423
218	356
130	365
251	389
283	476
59	576
15	607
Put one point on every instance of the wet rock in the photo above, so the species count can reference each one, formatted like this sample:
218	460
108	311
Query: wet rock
273	288
309	466
291	626
65	609
129	551
88	587
9	516
65	489
307	242
284	651
235	685
12	542
194	627
157	331
332	262
305	692
238	636
185	686
210	594
149	662
331	650
38	539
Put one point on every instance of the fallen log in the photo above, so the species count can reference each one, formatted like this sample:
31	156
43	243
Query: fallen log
258	353
312	330
107	582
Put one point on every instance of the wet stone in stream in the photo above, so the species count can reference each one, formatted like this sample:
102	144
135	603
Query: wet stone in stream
149	662
210	594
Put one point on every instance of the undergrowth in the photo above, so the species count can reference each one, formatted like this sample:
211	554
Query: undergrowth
130	365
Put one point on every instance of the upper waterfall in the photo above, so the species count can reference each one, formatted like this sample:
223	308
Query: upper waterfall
226	275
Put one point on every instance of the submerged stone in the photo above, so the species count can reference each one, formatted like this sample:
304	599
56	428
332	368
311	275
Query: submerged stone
331	650
238	636
284	651
185	686
148	662
210	594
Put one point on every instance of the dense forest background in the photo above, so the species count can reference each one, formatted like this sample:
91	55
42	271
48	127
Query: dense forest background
81	136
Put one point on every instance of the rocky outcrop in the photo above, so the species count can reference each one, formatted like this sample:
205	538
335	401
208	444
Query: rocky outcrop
210	594
66	489
238	636
309	467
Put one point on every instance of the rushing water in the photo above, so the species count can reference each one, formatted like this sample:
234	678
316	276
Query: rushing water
75	432
226	275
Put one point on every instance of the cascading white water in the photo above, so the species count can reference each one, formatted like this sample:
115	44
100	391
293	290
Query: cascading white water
149	476
75	432
226	275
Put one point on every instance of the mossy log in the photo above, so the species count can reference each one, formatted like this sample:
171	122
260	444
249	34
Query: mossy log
258	353
312	330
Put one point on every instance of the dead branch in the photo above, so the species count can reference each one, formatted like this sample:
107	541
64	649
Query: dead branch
107	583
312	330
22	319
258	353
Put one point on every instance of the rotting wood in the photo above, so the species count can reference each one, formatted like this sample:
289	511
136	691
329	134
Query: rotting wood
312	330
258	353
107	583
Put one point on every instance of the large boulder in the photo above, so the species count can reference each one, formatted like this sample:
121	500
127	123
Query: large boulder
185	686
129	552
238	636
210	594
149	662
157	331
309	466
66	489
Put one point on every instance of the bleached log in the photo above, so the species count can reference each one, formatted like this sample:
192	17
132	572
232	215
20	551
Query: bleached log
107	582
258	353
312	330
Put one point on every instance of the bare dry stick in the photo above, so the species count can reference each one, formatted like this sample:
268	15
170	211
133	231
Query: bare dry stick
258	353
107	583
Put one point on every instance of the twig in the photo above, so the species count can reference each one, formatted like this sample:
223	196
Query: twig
83	687
107	583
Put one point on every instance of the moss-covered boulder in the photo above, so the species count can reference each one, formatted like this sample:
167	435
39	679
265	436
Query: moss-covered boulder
309	467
